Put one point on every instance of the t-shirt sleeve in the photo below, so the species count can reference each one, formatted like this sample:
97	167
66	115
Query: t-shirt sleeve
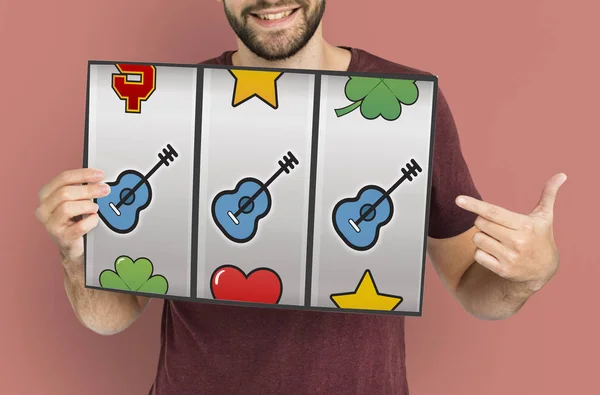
450	177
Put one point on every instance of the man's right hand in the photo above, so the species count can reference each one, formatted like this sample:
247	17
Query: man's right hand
67	211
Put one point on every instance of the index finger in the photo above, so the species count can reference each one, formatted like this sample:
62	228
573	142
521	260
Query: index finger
69	177
492	212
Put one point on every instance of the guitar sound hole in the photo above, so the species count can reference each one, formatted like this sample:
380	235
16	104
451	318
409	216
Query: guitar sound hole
364	209
130	199
248	209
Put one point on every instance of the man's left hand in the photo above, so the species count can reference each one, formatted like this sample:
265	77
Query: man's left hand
517	247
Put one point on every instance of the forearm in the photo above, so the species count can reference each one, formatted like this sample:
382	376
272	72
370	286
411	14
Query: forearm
488	296
103	312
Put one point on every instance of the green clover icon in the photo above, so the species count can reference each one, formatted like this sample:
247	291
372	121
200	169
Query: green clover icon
133	275
379	97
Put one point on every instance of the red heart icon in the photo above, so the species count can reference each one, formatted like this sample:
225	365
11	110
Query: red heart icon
261	285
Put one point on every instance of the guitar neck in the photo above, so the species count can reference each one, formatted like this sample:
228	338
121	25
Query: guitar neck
396	185
139	184
273	178
258	192
409	173
283	167
153	170
161	161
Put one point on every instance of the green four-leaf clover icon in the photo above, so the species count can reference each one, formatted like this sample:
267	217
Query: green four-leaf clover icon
135	275
379	97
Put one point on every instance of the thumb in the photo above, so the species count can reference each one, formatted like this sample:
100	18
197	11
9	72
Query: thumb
546	203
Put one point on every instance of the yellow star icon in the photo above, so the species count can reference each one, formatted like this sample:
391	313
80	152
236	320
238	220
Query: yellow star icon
366	297
259	83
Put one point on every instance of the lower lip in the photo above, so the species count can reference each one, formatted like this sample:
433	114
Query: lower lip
275	22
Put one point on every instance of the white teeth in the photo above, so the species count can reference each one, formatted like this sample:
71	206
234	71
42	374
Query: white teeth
272	17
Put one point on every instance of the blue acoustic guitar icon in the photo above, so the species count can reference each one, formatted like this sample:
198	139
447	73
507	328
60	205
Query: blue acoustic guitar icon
129	195
358	220
237	212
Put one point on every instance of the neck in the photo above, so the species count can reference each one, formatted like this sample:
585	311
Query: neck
318	54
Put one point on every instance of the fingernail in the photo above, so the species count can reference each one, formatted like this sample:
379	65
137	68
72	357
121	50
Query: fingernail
104	188
461	201
98	173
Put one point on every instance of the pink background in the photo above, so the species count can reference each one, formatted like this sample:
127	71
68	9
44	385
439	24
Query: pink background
522	80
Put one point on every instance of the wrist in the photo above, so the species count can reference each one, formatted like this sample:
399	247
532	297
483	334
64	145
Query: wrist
519	292
72	267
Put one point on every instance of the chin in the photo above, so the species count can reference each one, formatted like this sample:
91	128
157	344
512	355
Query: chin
280	37
275	46
274	53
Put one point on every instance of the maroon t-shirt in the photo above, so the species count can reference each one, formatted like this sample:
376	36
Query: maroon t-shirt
225	350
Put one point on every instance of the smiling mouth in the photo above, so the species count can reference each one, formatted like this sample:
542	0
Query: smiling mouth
274	16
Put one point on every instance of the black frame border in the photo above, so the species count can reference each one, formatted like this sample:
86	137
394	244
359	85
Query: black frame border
318	74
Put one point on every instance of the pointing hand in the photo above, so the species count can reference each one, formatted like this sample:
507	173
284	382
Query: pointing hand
517	247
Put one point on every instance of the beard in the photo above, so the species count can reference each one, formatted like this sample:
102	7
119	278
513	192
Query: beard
281	44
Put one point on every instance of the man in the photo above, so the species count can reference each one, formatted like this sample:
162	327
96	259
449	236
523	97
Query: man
492	260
